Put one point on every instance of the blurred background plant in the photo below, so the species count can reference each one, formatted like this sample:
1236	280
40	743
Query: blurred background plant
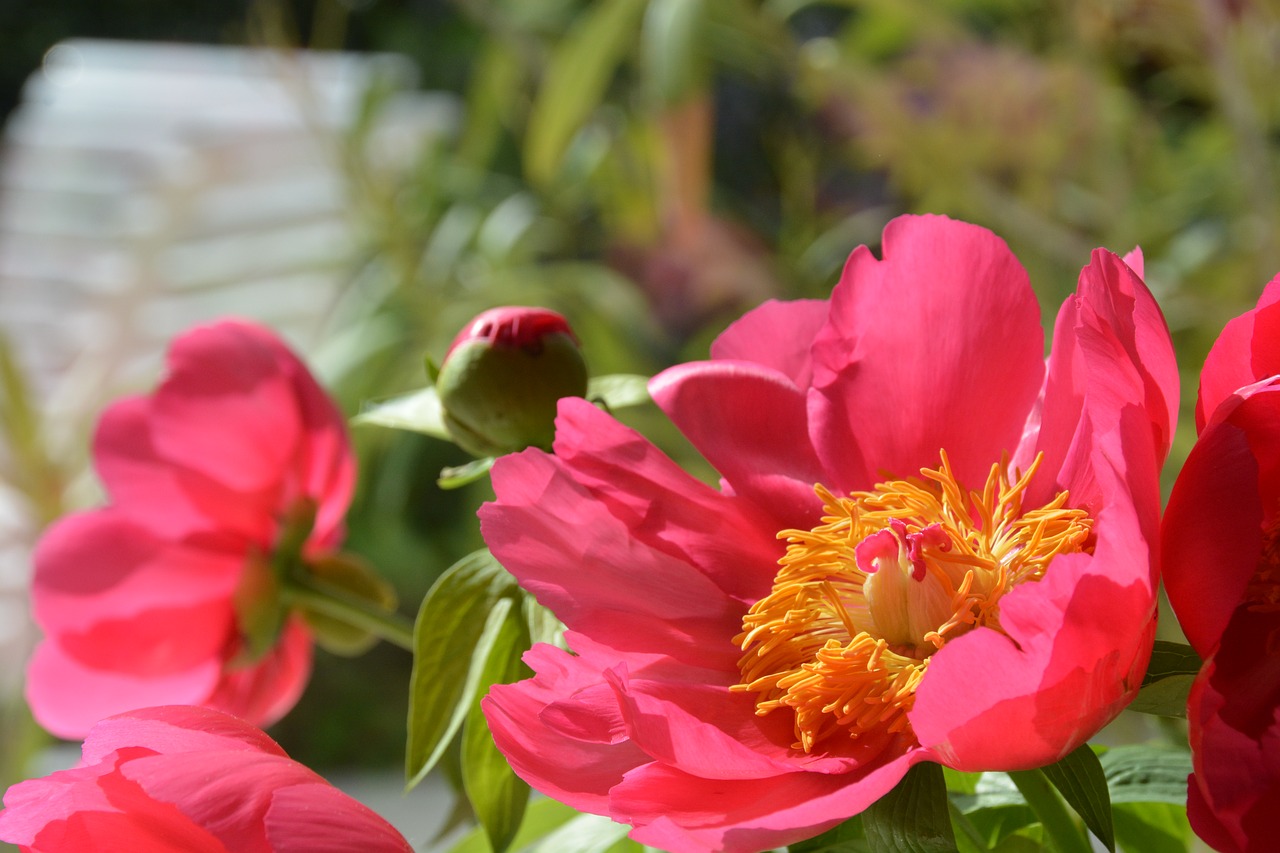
651	168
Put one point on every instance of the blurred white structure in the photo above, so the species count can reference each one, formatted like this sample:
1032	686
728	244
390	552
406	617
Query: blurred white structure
148	187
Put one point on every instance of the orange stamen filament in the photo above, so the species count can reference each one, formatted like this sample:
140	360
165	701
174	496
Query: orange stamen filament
887	578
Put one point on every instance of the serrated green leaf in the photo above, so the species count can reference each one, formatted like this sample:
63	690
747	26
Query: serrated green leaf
576	80
847	837
672	43
496	793
619	390
1152	828
1083	784
447	633
1147	774
416	412
461	475
914	817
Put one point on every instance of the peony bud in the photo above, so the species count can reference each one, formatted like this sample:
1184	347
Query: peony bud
502	377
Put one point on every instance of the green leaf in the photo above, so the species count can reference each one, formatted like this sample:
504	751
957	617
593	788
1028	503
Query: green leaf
1152	828
416	412
1083	784
847	837
914	817
1062	830
1170	674
970	840
673	45
496	793
992	790
1147	774
619	390
576	79
349	577
461	475
587	833
540	818
1172	670
1171	659
452	621
544	627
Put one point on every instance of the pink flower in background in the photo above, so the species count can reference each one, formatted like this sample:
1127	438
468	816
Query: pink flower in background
928	545
138	599
188	780
1221	565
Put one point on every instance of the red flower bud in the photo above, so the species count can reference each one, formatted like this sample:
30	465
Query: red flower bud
503	375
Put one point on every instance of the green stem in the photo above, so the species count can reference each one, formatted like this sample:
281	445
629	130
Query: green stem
327	599
1064	833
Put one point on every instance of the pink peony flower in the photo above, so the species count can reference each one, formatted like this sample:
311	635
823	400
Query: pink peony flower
188	780
927	545
1221	565
137	599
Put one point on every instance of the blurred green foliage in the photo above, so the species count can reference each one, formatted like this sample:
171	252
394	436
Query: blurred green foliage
652	168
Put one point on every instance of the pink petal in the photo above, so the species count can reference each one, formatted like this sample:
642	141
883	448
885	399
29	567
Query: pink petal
165	495
548	736
67	698
706	731
622	591
1134	261
94	808
1234	712
98	565
1111	348
673	810
1076	648
318	818
115	598
228	408
267	690
171	729
226	792
1247	350
776	335
729	539
1212	529
752	425
938	346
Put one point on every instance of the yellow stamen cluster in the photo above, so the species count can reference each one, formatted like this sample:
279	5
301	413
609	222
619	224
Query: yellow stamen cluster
844	639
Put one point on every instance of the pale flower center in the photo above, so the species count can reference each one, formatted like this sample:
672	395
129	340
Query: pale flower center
887	578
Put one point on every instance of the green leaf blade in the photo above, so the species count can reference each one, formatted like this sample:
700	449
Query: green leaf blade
1080	779
496	793
914	817
454	619
416	412
576	80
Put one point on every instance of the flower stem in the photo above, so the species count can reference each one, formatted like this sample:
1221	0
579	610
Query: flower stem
330	600
1065	835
